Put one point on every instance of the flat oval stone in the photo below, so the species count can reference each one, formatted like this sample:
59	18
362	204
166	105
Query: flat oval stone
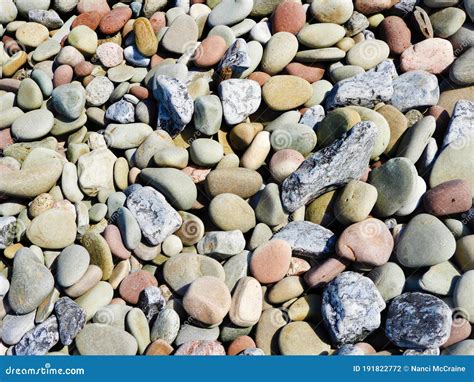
189	333
224	206
100	339
32	125
451	197
389	280
145	38
288	288
440	279
464	254
279	52
432	55
97	297
72	264
270	322
286	92
297	137
53	229
447	21
332	11
239	181
247	300
182	32
99	252
31	34
166	326
321	35
270	261
300	338
83	39
368	54
230	12
425	241
206	152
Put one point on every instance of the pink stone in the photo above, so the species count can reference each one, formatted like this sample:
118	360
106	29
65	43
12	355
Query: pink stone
270	261
433	55
114	240
62	75
5	138
201	347
198	174
110	54
132	285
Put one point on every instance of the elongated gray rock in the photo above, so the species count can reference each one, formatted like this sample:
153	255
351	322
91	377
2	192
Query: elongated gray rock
155	216
222	243
307	239
351	307
415	89
418	321
176	106
461	123
346	159
39	340
366	89
236	59
240	98
71	319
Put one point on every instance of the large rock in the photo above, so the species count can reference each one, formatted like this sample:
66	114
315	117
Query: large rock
53	229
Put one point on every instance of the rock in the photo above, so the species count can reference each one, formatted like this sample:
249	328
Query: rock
395	32
95	171
222	244
461	72
246	306
268	271
69	100
418	321
71	265
447	21
224	206
239	98
284	163
206	152
448	198
279	52
286	92
269	209
321	35
366	89
7	231
138	326
302	186
464	254
8	11
181	270
71	319
189	333
97	297
236	60
239	181
355	202
270	322
414	89
39	340
133	284
83	39
50	19
121	112
114	20
145	38
368	53
337	12
389	280
201	348
31	34
181	34
289	17
151	301
431	55
300	338
351	313
100	339
99	90
207	114
166	326
230	12
416	138
440	279
460	125
15	326
462	297
176	107
465	347
425	241
156	218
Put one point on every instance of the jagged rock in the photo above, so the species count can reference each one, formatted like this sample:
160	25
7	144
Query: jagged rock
39	340
151	302
461	123
7	231
415	89
235	61
240	98
71	319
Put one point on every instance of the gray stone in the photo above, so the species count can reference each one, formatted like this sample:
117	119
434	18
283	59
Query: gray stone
156	218
440	279
166	326
71	265
307	239
71	319
366	89
313	116
207	114
465	347
240	98
100	339
189	332
69	100
129	227
121	112
176	106
7	231
39	340
461	71
235	268
415	89
461	124
235	61
50	19
182	34
222	244
230	12
356	24
32	125
297	137
418	321
151	302
349	349
14	327
351	307
415	139
389	280
269	209
345	159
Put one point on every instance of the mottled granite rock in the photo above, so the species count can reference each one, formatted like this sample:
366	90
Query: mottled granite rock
418	321
346	159
349	349
176	107
121	112
313	116
421	352
415	89
351	307
307	239
365	89
50	19
240	98
151	302
235	61
39	340
7	231
71	319
222	243
461	123
155	216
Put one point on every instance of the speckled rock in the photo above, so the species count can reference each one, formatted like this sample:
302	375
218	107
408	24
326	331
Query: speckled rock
239	98
71	319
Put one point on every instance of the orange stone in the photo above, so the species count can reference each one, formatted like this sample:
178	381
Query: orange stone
132	285
210	51
90	19
307	72
260	77
114	21
270	261
240	344
159	347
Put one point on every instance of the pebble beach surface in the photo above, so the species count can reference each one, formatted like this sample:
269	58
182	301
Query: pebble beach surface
236	177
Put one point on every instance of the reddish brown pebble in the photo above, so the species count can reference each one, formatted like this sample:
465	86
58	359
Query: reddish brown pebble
159	347
5	138
307	72
114	240
140	92
132	285
155	60
113	21
395	32
460	330
451	197
368	242
83	69
289	16
270	261
210	51
201	347
239	344
90	19
369	7
62	75
325	272
259	77
158	21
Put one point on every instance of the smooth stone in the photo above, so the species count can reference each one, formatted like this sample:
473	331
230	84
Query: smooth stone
306	308
71	265
31	34
297	137
268	271
138	326
191	230
447	21
69	100
284	162
239	181
395	32
269	209
145	38
432	55
327	11
465	347
389	280
279	52
226	205
53	229
425	241
461	295
355	202
200	348
287	289
222	244
300	338
181	270
83	39
95	298
235	268
286	92
30	284
416	138
335	124
320	55
448	198
99	252
464	254
29	96
461	72
182	32
99	90
99	339
230	12
95	171
268	326
92	276
129	228
166	326
188	333
46	50
8	12
207	114
321	35
39	340
134	283
32	125
246	306
16	326
368	54
126	136
206	152
440	279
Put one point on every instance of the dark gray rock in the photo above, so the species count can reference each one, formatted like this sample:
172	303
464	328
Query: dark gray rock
176	107
461	125
307	239
155	216
346	159
235	61
71	319
365	89
351	307
50	19
39	340
151	302
356	24
415	89
418	321
349	349
405	6
7	231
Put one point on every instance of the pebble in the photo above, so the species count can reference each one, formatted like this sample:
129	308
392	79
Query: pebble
430	55
16	326
239	98
40	340
448	198
238	181
337	12
461	72
182	32
300	338
32	125
71	319
279	52
201	348
389	280
464	254
166	326
71	265
461	295
368	53
266	271
69	100
440	279
246	305
100	339
223	206
132	285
